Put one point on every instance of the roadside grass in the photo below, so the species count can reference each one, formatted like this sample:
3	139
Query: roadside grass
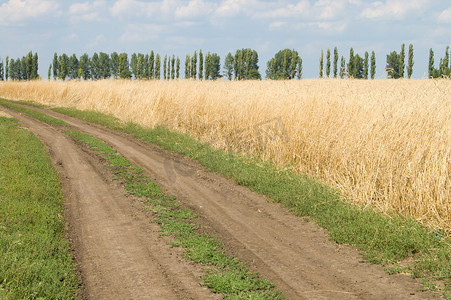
35	259
226	275
389	240
33	113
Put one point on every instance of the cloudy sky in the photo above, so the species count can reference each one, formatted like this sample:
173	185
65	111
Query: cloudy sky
180	27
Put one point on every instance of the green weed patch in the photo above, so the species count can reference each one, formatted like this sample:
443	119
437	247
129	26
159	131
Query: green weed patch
35	258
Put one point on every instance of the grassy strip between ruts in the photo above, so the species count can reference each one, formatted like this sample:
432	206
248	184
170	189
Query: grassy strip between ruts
389	240
227	275
35	259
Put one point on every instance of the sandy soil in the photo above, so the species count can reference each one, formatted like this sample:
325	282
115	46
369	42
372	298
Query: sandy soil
121	255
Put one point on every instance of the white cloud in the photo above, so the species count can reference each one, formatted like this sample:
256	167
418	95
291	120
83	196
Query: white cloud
98	40
229	8
133	8
445	16
392	8
302	8
138	33
195	8
87	11
329	9
16	11
277	25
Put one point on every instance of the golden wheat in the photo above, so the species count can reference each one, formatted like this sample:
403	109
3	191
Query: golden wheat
383	143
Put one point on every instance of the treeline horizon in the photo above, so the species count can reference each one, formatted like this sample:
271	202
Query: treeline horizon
243	65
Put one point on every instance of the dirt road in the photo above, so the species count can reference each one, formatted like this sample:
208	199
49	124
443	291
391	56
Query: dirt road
121	255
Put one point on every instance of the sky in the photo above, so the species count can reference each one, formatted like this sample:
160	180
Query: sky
176	27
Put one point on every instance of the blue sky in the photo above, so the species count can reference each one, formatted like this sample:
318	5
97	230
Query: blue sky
180	27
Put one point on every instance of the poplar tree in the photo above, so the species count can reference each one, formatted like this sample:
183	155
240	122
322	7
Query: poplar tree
104	65
55	66
34	67
187	66
286	64
431	63
29	66
10	70
2	71
402	59
83	66
146	67
228	66
140	66
410	62
201	65
134	65
366	65
95	66
207	66
444	64
351	65
173	67
294	62
373	64
214	62
299	68
72	67
63	66
152	65
124	67
335	62
328	63
49	75
6	68
165	61
321	64
194	65
114	65
342	67
178	68
23	72
157	67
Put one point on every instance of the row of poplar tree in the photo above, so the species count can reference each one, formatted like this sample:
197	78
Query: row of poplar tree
286	64
25	68
244	65
357	66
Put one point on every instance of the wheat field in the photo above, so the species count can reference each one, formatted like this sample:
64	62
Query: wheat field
383	143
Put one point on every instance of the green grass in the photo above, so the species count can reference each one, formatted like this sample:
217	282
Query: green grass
226	275
33	113
35	262
386	240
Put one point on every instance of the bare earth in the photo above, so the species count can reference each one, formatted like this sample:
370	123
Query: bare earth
121	255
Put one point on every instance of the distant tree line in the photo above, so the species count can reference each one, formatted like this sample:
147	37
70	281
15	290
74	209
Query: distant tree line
203	68
242	65
396	66
357	67
444	69
286	64
25	68
117	66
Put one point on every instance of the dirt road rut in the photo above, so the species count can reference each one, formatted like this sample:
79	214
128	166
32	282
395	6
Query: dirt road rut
114	242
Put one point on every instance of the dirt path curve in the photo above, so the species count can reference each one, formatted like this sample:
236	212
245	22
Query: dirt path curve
120	253
296	255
